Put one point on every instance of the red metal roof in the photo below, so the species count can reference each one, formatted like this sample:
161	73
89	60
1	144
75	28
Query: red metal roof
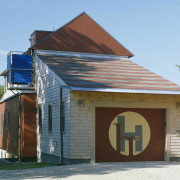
82	34
109	73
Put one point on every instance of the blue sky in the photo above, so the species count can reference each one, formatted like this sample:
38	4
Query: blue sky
149	29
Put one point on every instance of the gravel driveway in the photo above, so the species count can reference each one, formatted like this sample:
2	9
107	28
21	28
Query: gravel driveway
128	170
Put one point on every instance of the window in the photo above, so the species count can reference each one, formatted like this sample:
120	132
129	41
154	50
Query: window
50	118
5	84
40	118
2	124
63	116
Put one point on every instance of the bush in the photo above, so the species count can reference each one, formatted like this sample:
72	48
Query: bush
1	91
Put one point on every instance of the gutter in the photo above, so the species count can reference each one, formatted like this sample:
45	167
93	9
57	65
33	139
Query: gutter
118	90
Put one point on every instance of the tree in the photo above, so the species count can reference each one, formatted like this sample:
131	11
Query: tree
1	91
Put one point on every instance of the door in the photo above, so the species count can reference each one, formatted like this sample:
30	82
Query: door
129	134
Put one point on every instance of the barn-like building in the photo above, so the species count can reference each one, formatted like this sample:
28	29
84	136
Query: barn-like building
105	107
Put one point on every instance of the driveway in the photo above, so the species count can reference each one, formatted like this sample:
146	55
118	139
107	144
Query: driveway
106	171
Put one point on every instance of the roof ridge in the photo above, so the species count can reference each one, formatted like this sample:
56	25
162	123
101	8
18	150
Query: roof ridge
110	35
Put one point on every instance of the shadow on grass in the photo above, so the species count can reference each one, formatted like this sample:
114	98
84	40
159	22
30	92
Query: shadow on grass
24	165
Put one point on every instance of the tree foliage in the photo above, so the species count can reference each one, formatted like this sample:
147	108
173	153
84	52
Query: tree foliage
178	66
1	91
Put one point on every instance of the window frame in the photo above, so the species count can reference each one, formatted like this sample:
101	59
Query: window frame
40	118
63	116
50	119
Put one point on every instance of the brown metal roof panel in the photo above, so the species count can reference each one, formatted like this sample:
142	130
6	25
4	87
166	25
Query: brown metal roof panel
101	65
97	75
114	68
109	74
107	77
4	73
99	71
83	35
118	81
106	86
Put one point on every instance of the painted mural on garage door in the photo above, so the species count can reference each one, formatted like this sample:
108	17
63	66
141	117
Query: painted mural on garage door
129	134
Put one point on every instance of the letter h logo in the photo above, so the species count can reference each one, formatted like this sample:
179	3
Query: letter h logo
121	136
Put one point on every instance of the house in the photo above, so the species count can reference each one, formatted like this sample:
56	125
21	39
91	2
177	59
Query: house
104	106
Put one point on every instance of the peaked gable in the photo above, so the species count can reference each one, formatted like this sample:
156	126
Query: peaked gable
82	34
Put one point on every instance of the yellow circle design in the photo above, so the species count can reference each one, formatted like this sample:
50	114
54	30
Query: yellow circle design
131	120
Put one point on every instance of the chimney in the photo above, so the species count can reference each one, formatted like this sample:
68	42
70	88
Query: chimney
37	36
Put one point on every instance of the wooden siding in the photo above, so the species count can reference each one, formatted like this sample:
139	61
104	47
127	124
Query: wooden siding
83	118
10	139
29	125
48	93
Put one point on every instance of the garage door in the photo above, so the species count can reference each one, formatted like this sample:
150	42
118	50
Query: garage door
129	134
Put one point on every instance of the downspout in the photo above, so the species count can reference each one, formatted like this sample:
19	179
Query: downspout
19	128
21	104
61	128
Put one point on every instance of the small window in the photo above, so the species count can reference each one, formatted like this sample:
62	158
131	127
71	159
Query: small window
50	118
40	118
2	124
63	116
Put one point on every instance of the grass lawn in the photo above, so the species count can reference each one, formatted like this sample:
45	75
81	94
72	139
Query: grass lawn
25	165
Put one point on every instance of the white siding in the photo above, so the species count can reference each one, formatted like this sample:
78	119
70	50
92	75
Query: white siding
48	84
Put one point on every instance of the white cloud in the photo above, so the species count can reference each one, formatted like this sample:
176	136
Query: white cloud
3	53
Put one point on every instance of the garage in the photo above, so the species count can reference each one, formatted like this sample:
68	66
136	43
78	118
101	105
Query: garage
129	134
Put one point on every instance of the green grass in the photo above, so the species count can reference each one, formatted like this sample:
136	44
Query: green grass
25	165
